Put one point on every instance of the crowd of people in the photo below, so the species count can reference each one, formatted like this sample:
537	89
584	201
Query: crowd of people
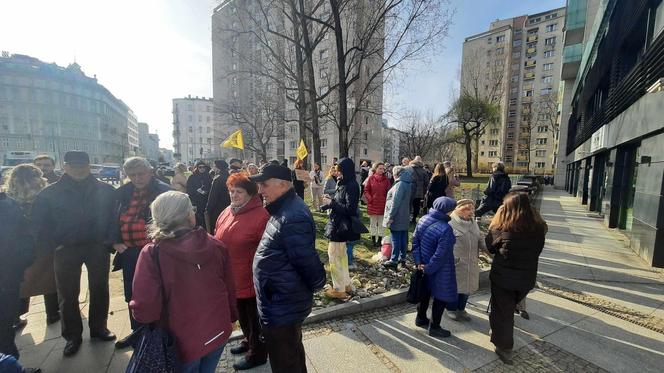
235	242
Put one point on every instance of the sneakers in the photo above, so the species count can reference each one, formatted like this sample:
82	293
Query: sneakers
453	315
463	315
438	332
525	315
505	356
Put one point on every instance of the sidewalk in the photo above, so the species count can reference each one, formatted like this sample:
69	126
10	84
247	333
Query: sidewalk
598	308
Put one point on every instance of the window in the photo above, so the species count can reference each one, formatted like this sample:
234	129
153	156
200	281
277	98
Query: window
512	113
482	154
548	66
547	79
516	55
510	125
509	146
550	41
549	54
323	143
323	159
493	153
546	91
500	50
522	164
493	142
293	144
366	151
191	129
542	129
540	164
495	131
508	159
516	43
500	38
510	135
533	31
527	93
293	129
323	72
541	141
489	40
500	62
552	27
540	153
324	54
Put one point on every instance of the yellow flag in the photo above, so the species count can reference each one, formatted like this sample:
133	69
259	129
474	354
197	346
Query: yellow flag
302	150
235	140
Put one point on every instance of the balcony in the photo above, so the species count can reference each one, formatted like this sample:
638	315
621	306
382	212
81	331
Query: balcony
531	50
529	75
531	63
531	39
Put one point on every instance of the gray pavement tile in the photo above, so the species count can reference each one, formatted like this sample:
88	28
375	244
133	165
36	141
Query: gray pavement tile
645	298
613	344
341	352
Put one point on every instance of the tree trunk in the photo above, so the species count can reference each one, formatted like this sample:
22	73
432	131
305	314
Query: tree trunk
299	63
311	75
343	87
476	156
469	153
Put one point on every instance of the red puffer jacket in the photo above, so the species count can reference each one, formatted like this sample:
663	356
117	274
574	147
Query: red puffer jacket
240	234
198	286
375	192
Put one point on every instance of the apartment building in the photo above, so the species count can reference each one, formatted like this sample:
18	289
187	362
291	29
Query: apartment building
193	129
516	64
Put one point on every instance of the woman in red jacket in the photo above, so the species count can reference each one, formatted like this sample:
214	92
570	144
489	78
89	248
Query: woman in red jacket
185	276
375	193
240	228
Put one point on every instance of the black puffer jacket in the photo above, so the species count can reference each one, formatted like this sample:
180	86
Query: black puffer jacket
343	205
287	269
72	213
499	185
516	258
219	199
16	243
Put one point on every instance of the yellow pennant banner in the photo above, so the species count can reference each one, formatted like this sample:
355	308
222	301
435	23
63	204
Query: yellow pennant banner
235	140
302	151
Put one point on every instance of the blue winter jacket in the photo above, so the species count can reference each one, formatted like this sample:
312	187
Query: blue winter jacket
433	246
287	269
397	205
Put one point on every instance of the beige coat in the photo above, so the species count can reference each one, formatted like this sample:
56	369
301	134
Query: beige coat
466	254
179	182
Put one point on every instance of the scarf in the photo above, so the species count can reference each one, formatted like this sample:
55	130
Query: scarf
464	226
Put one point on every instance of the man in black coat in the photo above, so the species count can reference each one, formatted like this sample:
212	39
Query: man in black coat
131	219
497	188
198	189
74	217
219	198
16	251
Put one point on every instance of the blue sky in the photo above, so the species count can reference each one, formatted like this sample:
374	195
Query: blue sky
428	88
147	52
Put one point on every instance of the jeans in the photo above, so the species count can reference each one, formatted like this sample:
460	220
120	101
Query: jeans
349	251
206	364
399	245
460	304
129	260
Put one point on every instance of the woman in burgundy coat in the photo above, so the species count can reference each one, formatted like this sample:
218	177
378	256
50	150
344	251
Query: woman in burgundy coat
375	193
183	282
240	228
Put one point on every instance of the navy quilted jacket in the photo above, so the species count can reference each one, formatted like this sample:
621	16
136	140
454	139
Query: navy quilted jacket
433	246
287	269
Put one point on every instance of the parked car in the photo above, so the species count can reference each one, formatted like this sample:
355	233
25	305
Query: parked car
532	183
108	173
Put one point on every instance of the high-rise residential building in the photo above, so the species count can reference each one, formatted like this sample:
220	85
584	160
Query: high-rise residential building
46	108
248	93
516	64
193	129
613	154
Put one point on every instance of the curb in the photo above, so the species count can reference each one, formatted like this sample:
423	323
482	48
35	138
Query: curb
387	299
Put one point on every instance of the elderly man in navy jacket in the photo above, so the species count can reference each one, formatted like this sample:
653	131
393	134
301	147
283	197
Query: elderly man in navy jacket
287	269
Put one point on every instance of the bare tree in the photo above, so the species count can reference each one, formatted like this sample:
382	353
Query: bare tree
427	136
373	39
542	117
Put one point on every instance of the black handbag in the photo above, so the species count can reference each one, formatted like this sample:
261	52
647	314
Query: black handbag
418	289
154	347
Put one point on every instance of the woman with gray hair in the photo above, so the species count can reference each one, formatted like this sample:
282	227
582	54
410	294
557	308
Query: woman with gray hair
184	282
